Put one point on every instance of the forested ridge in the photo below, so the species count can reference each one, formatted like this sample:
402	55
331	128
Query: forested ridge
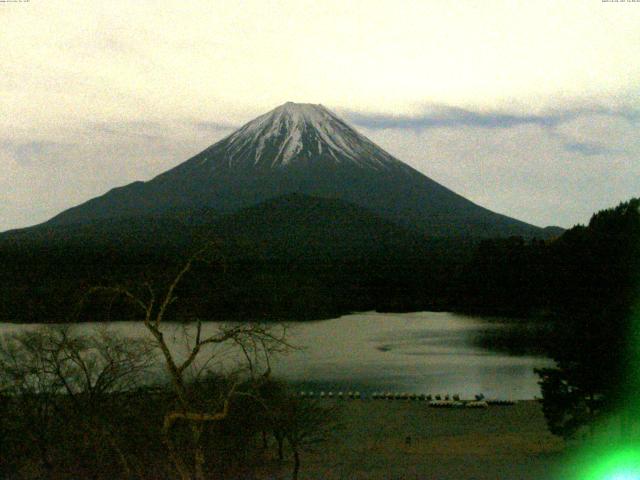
301	258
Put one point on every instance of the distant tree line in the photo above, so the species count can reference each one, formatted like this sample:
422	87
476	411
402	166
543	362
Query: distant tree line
298	276
585	267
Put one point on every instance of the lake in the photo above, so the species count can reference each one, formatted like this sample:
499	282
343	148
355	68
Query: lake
423	352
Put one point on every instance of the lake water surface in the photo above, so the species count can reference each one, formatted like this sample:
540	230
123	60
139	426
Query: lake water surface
423	352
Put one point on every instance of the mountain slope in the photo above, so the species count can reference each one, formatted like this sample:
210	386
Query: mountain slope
299	228
290	227
301	148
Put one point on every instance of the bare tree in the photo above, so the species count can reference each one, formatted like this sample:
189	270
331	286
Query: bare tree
255	342
32	392
305	424
56	377
302	423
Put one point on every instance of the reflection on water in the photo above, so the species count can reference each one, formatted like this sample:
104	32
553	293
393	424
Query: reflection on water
424	352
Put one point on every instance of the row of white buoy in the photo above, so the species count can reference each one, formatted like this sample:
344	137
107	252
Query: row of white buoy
379	396
500	402
338	395
458	404
437	401
469	403
399	396
413	396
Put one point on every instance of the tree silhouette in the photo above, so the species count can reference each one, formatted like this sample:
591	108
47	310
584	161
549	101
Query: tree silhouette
255	342
594	340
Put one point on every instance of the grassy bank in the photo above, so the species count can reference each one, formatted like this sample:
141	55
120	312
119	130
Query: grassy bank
494	443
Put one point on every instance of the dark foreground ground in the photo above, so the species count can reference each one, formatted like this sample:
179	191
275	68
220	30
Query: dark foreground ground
500	442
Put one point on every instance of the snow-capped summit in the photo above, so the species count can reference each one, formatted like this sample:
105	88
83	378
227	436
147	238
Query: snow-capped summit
296	133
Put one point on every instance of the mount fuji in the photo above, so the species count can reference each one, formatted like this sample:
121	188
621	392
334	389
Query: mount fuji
300	149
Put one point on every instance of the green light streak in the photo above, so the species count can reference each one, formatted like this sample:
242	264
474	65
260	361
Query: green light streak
606	463
614	457
623	464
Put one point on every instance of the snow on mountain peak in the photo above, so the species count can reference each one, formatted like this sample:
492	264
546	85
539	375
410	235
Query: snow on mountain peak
297	132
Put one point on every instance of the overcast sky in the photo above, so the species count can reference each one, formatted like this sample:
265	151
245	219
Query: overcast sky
530	108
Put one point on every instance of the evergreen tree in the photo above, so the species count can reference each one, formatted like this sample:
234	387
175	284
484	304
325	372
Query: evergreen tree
594	283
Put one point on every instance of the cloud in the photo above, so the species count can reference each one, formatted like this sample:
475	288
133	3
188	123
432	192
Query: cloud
588	148
140	128
601	131
582	130
36	153
216	126
444	116
436	116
